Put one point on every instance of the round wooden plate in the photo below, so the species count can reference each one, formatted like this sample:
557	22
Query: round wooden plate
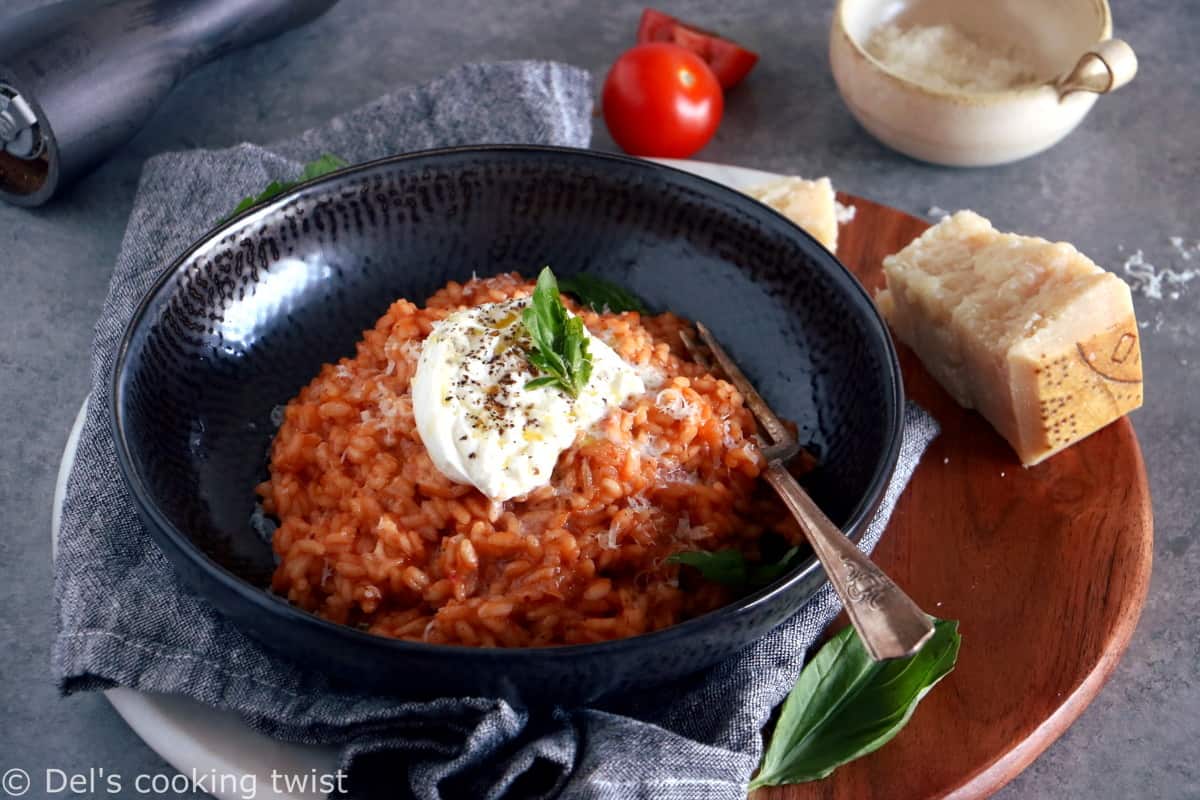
1045	568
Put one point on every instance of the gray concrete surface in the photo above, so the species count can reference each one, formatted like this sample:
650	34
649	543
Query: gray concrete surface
1125	181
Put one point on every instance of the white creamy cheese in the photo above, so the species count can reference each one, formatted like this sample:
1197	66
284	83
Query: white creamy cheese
477	420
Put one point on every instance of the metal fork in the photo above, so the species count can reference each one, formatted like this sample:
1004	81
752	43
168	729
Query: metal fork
889	623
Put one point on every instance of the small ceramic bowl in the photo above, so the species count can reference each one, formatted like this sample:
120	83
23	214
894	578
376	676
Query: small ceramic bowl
245	318
1067	42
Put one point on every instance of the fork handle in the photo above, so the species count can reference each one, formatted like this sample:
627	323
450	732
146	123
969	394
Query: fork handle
889	623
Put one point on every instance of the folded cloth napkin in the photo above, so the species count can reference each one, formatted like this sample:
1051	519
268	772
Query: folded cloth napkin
124	619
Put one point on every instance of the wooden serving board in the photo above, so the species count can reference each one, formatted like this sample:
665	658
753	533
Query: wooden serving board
1045	568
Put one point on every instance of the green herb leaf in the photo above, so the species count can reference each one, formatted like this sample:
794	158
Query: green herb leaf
560	345
767	573
730	568
314	169
844	705
577	356
322	166
726	567
601	295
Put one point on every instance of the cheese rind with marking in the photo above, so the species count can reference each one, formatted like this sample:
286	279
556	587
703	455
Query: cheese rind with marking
1031	333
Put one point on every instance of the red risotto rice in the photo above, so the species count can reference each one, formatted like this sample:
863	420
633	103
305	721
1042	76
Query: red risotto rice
371	534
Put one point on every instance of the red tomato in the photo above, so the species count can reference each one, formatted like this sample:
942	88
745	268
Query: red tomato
661	100
729	61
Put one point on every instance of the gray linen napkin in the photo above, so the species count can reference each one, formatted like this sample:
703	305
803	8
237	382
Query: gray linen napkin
123	618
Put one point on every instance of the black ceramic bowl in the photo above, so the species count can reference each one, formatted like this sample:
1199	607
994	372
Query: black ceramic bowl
247	317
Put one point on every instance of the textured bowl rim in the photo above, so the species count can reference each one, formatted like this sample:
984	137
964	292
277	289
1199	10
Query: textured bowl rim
271	604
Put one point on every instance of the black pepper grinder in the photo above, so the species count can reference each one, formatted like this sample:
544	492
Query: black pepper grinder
79	78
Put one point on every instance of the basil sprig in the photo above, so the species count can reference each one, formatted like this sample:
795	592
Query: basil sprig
314	169
844	705
600	295
730	567
560	346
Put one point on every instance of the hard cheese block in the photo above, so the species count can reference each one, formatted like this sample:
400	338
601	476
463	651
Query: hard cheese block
809	204
1031	333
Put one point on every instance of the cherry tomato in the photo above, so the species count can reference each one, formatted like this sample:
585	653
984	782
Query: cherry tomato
729	61
661	100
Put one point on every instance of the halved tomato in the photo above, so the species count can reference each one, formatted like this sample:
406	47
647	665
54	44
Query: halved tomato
728	60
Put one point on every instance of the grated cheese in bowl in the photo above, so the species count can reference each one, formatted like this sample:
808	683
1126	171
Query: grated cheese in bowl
947	58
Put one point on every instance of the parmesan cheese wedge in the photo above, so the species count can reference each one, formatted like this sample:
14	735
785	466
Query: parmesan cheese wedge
809	204
1031	333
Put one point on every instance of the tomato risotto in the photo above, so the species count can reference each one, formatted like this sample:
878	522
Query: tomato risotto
372	534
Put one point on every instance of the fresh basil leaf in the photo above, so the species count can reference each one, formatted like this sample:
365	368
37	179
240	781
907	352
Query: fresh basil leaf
540	320
314	169
274	189
322	166
560	346
601	295
583	370
726	567
730	568
764	574
533	326
577	357
247	202
844	705
548	361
